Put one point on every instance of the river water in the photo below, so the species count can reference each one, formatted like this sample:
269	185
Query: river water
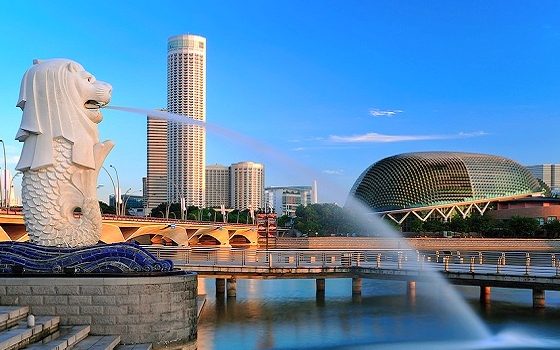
286	314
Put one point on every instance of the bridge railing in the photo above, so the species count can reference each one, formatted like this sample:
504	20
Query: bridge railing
489	262
113	217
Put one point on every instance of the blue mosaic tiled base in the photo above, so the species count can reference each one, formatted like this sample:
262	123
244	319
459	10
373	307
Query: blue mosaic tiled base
103	258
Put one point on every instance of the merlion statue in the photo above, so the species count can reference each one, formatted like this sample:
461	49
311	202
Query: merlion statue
61	155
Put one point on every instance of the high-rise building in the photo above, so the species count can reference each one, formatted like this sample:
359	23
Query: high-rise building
285	199
247	185
155	189
548	173
186	95
217	186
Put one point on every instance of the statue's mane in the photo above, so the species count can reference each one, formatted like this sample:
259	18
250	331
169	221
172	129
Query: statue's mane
52	108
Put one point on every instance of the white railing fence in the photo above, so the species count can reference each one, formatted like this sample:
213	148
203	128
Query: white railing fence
491	262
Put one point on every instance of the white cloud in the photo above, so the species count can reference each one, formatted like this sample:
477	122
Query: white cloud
333	171
375	112
373	137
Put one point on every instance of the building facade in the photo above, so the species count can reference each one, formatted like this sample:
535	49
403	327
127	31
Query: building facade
186	95
155	186
548	173
247	186
217	186
440	185
285	200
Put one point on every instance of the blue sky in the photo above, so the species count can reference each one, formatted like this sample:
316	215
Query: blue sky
333	85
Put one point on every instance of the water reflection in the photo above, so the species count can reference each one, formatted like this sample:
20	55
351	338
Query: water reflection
288	314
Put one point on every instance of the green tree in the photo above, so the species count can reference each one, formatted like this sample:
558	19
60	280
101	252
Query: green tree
161	211
552	229
284	221
435	226
481	223
106	208
518	226
416	225
458	224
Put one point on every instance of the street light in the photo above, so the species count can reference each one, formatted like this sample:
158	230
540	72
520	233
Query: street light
10	191
1	191
114	188
127	198
5	169
117	197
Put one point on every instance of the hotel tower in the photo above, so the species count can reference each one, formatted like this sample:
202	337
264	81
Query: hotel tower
186	95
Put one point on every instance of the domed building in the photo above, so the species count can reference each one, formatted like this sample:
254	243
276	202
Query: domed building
431	184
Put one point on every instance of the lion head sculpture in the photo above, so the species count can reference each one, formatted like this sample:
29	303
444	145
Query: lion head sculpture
59	98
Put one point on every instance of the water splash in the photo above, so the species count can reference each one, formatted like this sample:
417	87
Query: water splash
507	339
457	305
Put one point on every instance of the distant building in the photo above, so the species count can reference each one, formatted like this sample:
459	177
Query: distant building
217	186
541	208
440	185
247	185
548	173
8	190
134	204
155	187
186	95
285	199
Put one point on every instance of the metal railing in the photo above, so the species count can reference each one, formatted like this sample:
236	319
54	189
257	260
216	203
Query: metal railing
487	262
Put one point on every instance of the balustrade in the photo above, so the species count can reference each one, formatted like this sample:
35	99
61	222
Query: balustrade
490	262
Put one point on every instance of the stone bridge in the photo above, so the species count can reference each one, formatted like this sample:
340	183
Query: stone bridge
151	231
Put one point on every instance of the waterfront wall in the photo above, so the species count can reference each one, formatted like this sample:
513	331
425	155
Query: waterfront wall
154	309
476	244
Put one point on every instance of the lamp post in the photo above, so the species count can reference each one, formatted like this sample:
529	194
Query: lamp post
10	191
127	198
5	194
117	195
114	188
1	191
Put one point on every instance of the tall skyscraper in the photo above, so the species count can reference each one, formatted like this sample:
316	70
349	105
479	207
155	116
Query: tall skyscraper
217	186
186	95
247	185
548	173
155	189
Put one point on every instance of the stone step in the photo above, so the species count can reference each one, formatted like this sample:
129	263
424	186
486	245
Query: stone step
19	336
11	315
98	342
135	347
65	338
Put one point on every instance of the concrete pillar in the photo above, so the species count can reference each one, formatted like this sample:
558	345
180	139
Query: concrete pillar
356	285
320	285
220	286
201	286
538	298
411	292
356	298
485	294
411	289
231	287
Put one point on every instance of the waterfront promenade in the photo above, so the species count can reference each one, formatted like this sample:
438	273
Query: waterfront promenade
538	271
